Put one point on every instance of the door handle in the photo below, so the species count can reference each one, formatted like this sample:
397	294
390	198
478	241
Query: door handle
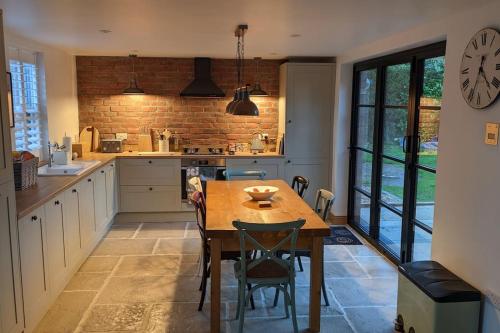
405	142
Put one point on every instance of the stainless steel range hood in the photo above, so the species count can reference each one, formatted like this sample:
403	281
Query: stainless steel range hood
202	85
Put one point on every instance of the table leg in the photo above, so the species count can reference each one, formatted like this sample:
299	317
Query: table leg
215	254
315	291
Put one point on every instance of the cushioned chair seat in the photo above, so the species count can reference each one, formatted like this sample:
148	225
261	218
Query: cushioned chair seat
265	269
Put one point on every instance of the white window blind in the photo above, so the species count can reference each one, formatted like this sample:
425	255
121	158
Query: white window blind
30	130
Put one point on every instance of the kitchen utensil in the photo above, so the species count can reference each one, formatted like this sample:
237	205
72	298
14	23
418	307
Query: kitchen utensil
89	138
145	143
163	145
261	193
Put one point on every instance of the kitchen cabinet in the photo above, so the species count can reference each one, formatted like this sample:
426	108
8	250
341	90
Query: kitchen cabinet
156	171
111	202
57	260
150	185
150	198
312	169
34	269
272	166
5	151
86	210
72	227
11	310
100	198
306	109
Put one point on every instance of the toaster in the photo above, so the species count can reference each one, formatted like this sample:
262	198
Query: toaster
111	145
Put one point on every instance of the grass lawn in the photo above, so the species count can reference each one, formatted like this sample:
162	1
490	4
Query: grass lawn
426	182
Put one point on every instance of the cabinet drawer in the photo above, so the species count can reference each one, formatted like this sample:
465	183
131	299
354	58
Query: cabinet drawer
150	198
150	172
272	167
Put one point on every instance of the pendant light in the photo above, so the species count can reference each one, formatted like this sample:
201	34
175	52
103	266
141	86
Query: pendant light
242	105
236	99
133	89
256	89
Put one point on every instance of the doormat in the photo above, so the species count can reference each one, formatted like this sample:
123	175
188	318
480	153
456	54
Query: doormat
341	236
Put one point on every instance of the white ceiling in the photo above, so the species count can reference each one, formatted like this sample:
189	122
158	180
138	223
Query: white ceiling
187	28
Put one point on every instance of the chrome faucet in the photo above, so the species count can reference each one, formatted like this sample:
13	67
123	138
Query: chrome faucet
51	156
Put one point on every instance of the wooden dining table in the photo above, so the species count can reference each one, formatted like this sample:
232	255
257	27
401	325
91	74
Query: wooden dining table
227	201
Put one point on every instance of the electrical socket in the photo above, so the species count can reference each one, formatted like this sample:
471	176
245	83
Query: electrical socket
121	136
493	298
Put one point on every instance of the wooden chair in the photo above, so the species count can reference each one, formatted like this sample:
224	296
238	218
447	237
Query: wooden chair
324	202
300	184
230	174
198	200
269	270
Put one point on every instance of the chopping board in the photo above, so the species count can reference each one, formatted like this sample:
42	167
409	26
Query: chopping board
145	143
89	139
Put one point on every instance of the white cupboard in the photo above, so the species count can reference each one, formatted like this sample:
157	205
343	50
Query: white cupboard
72	227
86	210
111	202
34	269
100	200
307	95
11	311
58	268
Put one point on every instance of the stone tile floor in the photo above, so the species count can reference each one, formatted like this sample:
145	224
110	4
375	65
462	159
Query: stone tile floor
143	277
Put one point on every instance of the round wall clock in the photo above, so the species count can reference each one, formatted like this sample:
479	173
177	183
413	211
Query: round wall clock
480	69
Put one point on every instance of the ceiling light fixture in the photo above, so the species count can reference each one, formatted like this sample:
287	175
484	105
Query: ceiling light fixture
241	105
256	89
133	88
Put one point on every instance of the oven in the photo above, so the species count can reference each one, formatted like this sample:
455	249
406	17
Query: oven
211	168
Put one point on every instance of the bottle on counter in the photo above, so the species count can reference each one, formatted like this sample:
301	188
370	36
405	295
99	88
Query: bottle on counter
174	142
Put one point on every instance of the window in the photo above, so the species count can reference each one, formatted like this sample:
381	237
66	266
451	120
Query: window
30	131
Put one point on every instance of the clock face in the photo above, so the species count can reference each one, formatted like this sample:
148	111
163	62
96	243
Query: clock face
480	69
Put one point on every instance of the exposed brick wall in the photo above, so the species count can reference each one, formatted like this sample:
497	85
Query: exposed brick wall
202	121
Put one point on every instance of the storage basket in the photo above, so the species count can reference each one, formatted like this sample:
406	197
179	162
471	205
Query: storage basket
25	174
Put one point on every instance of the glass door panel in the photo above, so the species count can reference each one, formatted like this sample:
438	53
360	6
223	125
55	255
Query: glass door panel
421	245
365	127
393	181
364	171
426	190
394	127
361	216
390	231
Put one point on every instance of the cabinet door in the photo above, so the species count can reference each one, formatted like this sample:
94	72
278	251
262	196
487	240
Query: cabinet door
316	170
56	243
5	156
138	171
110	190
86	209
100	199
150	198
72	227
309	110
11	311
272	167
33	247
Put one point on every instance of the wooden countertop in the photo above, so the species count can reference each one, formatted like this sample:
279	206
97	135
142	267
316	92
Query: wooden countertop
50	186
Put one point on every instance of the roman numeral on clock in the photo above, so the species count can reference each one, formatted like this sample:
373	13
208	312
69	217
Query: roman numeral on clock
498	67
465	84
471	95
495	82
466	71
484	35
474	43
497	52
478	99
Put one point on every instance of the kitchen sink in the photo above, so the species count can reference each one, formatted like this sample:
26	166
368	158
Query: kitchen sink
74	168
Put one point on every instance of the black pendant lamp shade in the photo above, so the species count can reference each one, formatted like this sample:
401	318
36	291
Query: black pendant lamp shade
133	88
256	89
241	105
236	99
245	107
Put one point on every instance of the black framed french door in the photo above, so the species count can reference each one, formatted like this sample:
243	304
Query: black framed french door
393	152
